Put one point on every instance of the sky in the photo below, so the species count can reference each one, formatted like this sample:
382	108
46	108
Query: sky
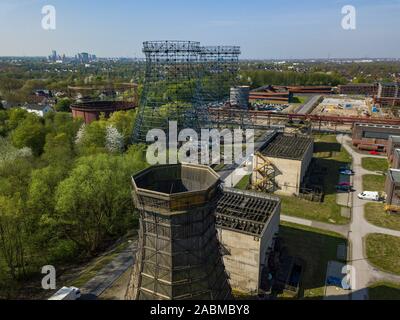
265	29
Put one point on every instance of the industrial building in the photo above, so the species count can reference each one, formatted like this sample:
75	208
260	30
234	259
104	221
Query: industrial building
248	224
392	190
373	137
388	94
393	144
271	94
281	164
179	254
365	89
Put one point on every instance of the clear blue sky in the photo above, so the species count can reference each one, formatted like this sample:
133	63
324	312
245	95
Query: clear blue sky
263	28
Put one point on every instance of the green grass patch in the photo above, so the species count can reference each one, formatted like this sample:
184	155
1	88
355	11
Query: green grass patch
373	182
384	291
383	251
96	265
243	183
375	164
376	215
299	99
329	154
316	247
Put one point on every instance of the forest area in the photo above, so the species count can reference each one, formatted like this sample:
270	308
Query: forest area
64	190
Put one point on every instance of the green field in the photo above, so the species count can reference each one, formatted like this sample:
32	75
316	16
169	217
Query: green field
384	291
383	251
329	154
375	164
243	183
316	247
373	182
375	214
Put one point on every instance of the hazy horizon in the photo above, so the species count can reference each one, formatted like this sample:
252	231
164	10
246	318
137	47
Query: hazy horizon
265	30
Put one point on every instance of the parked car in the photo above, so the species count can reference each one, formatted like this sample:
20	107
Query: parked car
369	195
374	153
347	172
344	184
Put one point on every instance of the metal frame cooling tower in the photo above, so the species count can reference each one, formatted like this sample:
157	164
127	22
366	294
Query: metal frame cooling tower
171	89
178	253
220	72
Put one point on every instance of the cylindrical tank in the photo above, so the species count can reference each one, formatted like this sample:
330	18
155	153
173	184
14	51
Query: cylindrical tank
240	97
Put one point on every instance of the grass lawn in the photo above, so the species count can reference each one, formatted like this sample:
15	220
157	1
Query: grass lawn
373	182
329	154
316	247
375	164
384	291
299	99
375	214
383	251
243	183
96	265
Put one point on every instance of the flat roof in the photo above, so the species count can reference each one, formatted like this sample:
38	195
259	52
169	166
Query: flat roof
245	211
287	146
394	175
395	138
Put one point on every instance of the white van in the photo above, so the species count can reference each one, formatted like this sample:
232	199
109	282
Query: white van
369	195
66	293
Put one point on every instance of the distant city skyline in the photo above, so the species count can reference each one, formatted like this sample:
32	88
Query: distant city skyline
283	29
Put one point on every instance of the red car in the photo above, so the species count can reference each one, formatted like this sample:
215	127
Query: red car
374	153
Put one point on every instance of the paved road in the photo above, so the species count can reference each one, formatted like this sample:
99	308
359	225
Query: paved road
341	229
110	273
365	274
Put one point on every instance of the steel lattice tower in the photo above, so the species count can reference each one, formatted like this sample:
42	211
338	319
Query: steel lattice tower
178	253
220	72
171	88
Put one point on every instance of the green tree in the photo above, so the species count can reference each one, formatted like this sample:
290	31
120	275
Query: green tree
30	133
94	202
63	105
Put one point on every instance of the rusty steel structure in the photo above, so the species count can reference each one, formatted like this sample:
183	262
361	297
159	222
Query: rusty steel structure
178	255
91	101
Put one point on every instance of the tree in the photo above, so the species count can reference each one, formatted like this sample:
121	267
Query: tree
63	105
58	150
114	140
94	202
124	121
30	133
93	139
12	229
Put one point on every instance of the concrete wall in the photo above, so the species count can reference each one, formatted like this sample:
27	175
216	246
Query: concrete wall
243	260
248	254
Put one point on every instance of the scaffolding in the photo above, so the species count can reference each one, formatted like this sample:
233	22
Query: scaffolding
178	253
220	72
263	174
171	89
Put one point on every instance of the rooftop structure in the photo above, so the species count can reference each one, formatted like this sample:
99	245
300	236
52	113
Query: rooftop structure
244	211
373	136
392	189
287	146
178	253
